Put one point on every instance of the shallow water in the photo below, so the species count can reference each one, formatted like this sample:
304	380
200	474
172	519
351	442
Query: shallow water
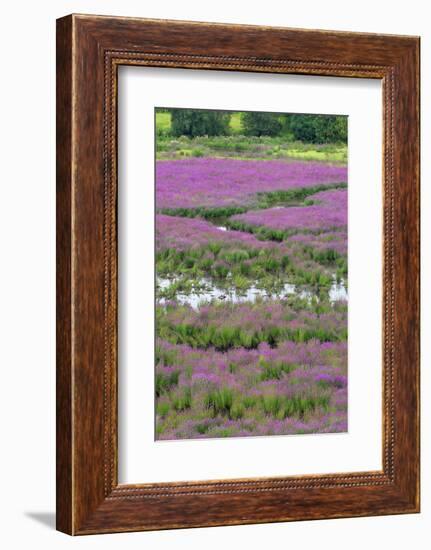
338	291
198	297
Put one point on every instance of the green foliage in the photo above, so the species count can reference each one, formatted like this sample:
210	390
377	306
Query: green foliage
249	401
233	367
194	122
202	428
183	400
260	124
306	128
163	123
274	371
271	404
326	257
164	382
236	411
219	401
165	357
210	214
163	408
295	196
317	128
239	268
264	233
227	337
235	123
283	407
215	248
248	147
235	255
285	261
220	271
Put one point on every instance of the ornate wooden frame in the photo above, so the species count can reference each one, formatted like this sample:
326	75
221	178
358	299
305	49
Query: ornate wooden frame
89	51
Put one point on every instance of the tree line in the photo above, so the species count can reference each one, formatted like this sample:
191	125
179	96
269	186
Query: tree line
301	127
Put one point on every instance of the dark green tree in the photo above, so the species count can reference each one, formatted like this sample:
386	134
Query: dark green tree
260	124
317	128
194	122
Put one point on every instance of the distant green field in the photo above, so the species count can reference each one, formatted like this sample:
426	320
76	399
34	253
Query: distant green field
336	154
235	123
163	121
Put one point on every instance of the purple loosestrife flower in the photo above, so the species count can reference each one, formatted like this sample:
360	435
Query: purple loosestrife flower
226	182
317	217
247	369
206	377
183	233
335	198
338	381
330	213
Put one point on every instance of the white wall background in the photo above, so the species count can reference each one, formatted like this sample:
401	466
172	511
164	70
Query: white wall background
27	285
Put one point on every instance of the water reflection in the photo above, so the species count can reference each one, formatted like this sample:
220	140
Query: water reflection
205	292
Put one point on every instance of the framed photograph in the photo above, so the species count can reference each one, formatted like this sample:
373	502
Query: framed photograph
237	274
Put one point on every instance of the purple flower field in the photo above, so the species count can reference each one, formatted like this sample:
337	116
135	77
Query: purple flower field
331	213
221	182
258	385
251	298
184	233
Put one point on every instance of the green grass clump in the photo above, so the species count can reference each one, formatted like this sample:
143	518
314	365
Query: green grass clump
233	256
233	367
219	401
271	404
220	271
325	257
273	371
165	357
164	382
297	406
236	411
226	337
183	400
202	428
249	401
215	214
162	408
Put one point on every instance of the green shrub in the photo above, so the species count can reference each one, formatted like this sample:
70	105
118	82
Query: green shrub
196	122
317	128
260	124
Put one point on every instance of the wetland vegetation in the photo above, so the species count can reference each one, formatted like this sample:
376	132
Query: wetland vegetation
251	274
